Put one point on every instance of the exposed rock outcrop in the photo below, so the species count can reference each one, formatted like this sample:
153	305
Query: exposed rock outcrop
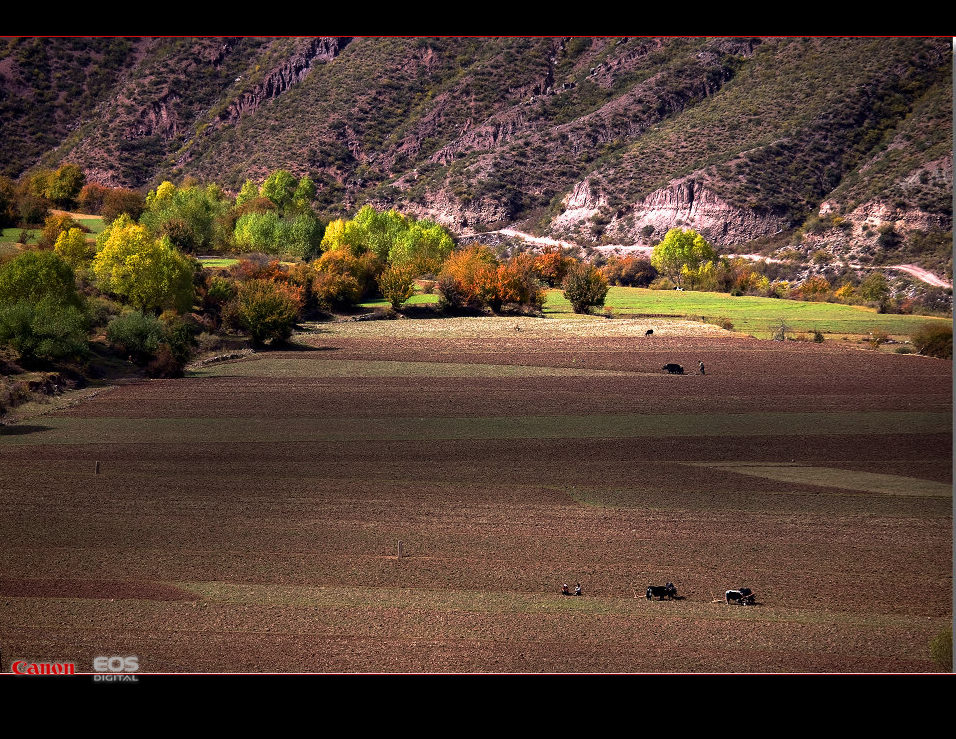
685	203
688	203
313	51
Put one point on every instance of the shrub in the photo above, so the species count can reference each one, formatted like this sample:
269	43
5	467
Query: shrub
779	331
258	267
630	271
54	225
397	285
47	329
662	283
878	338
518	282
815	287
475	272
179	336
934	340
552	266
817	336
267	310
136	334
724	323
119	200
165	363
341	280
103	310
451	296
941	649
585	287
220	290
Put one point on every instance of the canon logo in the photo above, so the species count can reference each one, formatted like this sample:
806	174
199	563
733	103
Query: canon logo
21	667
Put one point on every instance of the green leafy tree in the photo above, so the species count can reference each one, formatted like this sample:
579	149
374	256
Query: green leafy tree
249	191
280	188
374	231
72	246
585	287
258	232
302	236
148	273
305	192
189	214
423	247
875	288
680	251
41	313
64	185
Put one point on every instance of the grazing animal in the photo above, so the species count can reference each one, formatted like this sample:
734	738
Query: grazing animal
649	332
740	597
672	368
661	591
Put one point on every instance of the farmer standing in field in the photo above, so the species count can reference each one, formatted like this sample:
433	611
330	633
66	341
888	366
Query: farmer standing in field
701	366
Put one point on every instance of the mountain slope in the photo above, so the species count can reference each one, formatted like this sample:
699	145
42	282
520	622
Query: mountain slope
598	140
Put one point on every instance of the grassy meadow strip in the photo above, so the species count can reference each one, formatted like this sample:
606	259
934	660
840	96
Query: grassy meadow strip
445	600
218	262
110	430
870	482
309	368
748	314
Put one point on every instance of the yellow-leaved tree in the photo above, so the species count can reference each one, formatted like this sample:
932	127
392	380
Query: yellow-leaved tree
149	274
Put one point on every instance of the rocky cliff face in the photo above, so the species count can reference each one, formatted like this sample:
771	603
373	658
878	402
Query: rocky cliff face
292	70
685	203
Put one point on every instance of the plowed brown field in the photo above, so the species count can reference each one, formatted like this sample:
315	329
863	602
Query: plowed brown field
247	517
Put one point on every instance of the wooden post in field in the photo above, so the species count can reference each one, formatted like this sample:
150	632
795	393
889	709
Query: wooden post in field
97	467
399	550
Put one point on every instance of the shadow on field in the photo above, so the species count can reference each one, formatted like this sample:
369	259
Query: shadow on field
21	430
293	346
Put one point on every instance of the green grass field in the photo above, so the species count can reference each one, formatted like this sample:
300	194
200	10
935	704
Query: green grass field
219	262
750	315
417	299
94	223
12	235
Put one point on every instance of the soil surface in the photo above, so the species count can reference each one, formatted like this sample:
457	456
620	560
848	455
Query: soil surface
247	518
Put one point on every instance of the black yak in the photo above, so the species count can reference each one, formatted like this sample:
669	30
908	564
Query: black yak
740	597
661	591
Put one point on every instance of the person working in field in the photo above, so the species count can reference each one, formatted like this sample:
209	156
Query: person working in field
564	589
577	589
701	366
